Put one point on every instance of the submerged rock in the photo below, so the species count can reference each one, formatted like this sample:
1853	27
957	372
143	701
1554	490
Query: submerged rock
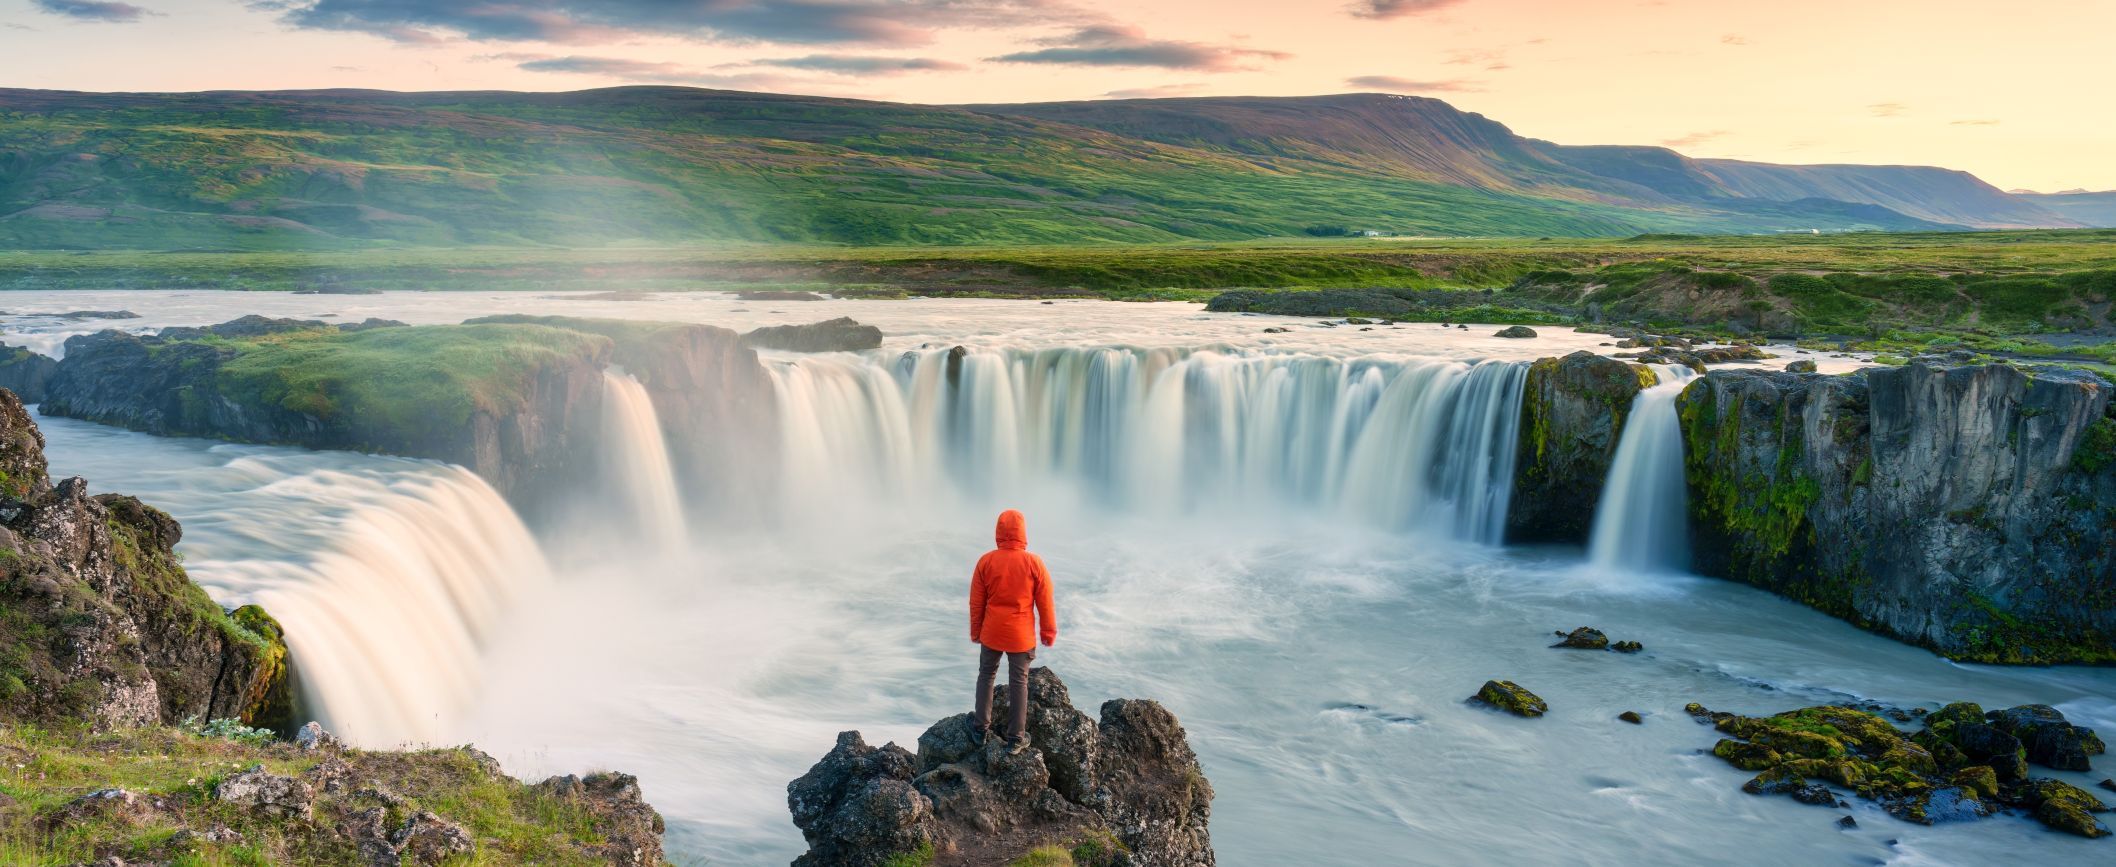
1801	365
1128	782
1627	647
1515	331
1632	717
1584	638
1510	697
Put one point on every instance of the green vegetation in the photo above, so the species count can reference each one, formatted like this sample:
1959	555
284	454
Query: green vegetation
351	171
173	774
920	857
420	382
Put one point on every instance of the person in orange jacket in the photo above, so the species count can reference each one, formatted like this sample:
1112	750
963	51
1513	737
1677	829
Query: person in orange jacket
1010	596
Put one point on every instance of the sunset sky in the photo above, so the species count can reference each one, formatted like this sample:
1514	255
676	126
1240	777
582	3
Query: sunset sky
2019	93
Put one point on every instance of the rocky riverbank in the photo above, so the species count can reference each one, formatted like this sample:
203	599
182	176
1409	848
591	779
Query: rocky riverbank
141	723
1125	790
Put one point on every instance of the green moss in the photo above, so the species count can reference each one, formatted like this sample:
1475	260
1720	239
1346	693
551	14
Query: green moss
1044	856
2097	447
920	857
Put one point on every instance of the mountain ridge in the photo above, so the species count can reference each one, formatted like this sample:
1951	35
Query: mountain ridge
349	168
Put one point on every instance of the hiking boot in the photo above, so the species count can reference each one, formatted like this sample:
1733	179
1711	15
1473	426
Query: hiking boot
1017	746
977	737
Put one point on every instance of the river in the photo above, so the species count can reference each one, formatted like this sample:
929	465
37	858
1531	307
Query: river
1283	538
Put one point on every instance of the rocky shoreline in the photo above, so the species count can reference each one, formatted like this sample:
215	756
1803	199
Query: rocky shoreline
129	697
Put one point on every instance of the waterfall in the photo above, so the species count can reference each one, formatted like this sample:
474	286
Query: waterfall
386	626
1407	444
637	469
1641	523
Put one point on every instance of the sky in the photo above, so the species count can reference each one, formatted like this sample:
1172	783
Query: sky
2018	93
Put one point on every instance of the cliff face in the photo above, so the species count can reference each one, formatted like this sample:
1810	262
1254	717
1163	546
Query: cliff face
25	373
1125	790
1967	509
518	400
1572	416
98	620
712	395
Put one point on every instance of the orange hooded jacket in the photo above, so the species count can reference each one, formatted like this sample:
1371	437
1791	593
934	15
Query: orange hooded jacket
1007	583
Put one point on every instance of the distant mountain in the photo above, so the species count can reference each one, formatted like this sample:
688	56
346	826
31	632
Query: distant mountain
2080	206
348	168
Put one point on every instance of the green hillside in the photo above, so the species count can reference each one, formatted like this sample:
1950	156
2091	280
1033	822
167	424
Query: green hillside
318	170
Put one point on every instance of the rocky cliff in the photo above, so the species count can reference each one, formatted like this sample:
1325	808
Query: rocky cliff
98	621
1124	790
1572	416
1967	509
25	373
518	400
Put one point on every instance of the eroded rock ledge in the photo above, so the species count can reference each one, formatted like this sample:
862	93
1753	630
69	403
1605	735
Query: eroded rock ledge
1126	790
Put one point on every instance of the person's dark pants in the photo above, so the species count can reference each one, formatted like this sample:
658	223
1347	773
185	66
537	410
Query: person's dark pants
1017	688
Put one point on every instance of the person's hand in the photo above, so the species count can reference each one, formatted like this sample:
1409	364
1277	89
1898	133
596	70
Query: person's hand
1047	641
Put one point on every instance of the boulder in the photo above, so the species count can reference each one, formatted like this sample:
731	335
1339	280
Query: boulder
842	334
1584	638
267	794
1632	717
1801	365
1128	782
2047	739
1515	331
629	828
1510	697
429	839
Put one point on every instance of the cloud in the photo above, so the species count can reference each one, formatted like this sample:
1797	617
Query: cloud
1493	59
1974	121
1118	45
1156	92
1694	139
1733	39
635	71
852	64
93	10
1385	10
1394	84
575	22
1888	109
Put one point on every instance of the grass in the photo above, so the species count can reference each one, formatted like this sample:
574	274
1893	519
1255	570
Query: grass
396	381
44	770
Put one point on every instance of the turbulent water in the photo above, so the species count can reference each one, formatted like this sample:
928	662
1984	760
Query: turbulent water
1640	524
637	465
1285	544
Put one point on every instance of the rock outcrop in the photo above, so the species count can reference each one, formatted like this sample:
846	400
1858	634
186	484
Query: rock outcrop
842	334
25	373
529	422
1967	509
1960	766
1572	416
98	621
1124	790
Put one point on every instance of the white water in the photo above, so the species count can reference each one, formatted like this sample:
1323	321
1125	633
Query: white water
1642	521
638	467
389	575
1312	618
1422	446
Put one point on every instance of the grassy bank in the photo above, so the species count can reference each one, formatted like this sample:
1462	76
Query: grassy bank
171	774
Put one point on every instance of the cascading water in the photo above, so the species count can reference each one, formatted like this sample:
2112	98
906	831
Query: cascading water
637	466
390	575
1408	444
1641	523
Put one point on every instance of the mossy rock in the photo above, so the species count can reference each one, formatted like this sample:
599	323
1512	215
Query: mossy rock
2065	807
1980	779
1512	698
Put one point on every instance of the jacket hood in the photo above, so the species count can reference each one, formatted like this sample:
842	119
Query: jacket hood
1013	531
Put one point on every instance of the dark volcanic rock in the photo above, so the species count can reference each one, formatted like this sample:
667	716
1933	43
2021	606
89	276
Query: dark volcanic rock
1572	414
1515	331
98	621
1942	773
629	828
1967	509
2046	738
842	334
1584	638
1128	781
25	373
